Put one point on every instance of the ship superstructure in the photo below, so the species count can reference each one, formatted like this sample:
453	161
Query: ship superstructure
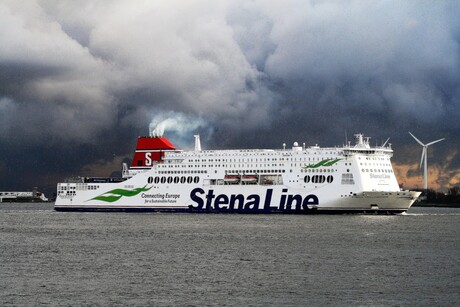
299	179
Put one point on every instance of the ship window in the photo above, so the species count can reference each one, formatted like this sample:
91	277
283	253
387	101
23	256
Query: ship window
170	179
307	179
163	179
176	179
196	179
182	179
157	180
189	179
347	179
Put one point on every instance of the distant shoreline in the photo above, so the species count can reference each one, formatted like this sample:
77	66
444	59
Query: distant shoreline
420	204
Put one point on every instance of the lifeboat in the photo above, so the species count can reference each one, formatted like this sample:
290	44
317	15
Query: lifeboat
231	179
249	179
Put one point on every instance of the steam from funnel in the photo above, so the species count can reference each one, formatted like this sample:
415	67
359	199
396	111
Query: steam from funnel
179	123
157	130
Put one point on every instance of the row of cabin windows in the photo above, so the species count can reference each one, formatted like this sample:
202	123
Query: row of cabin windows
233	165
318	170
300	159
176	179
68	193
318	179
254	171
268	154
377	170
209	153
376	158
378	164
184	172
226	165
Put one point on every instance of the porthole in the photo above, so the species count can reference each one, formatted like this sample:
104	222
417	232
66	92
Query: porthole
189	179
196	179
150	180
306	179
157	179
170	179
330	179
163	179
176	179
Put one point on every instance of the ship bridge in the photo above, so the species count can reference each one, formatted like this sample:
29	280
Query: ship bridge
362	147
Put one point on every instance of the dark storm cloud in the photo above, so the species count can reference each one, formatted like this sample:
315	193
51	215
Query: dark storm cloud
91	75
370	58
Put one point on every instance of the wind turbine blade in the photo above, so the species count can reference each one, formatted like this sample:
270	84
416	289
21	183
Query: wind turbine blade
418	141
423	156
435	142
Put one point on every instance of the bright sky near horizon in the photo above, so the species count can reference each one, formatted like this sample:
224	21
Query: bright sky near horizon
80	80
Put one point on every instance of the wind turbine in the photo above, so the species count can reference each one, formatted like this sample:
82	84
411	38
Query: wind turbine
423	159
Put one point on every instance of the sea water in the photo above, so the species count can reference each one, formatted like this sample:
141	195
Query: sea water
119	259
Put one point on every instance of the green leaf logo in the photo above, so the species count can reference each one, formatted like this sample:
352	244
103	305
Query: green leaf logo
116	194
325	162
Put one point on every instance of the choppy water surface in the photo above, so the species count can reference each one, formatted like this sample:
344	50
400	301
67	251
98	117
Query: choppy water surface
62	258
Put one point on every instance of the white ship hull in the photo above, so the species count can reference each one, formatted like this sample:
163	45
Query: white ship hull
298	180
259	200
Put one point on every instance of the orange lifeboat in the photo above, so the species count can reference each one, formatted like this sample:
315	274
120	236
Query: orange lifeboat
249	179
231	179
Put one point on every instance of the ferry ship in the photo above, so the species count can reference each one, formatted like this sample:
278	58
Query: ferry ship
22	197
299	179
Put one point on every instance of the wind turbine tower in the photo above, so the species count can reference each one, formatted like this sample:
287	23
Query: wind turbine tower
423	159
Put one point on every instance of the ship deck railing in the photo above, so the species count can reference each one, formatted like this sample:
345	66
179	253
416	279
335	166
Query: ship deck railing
94	179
